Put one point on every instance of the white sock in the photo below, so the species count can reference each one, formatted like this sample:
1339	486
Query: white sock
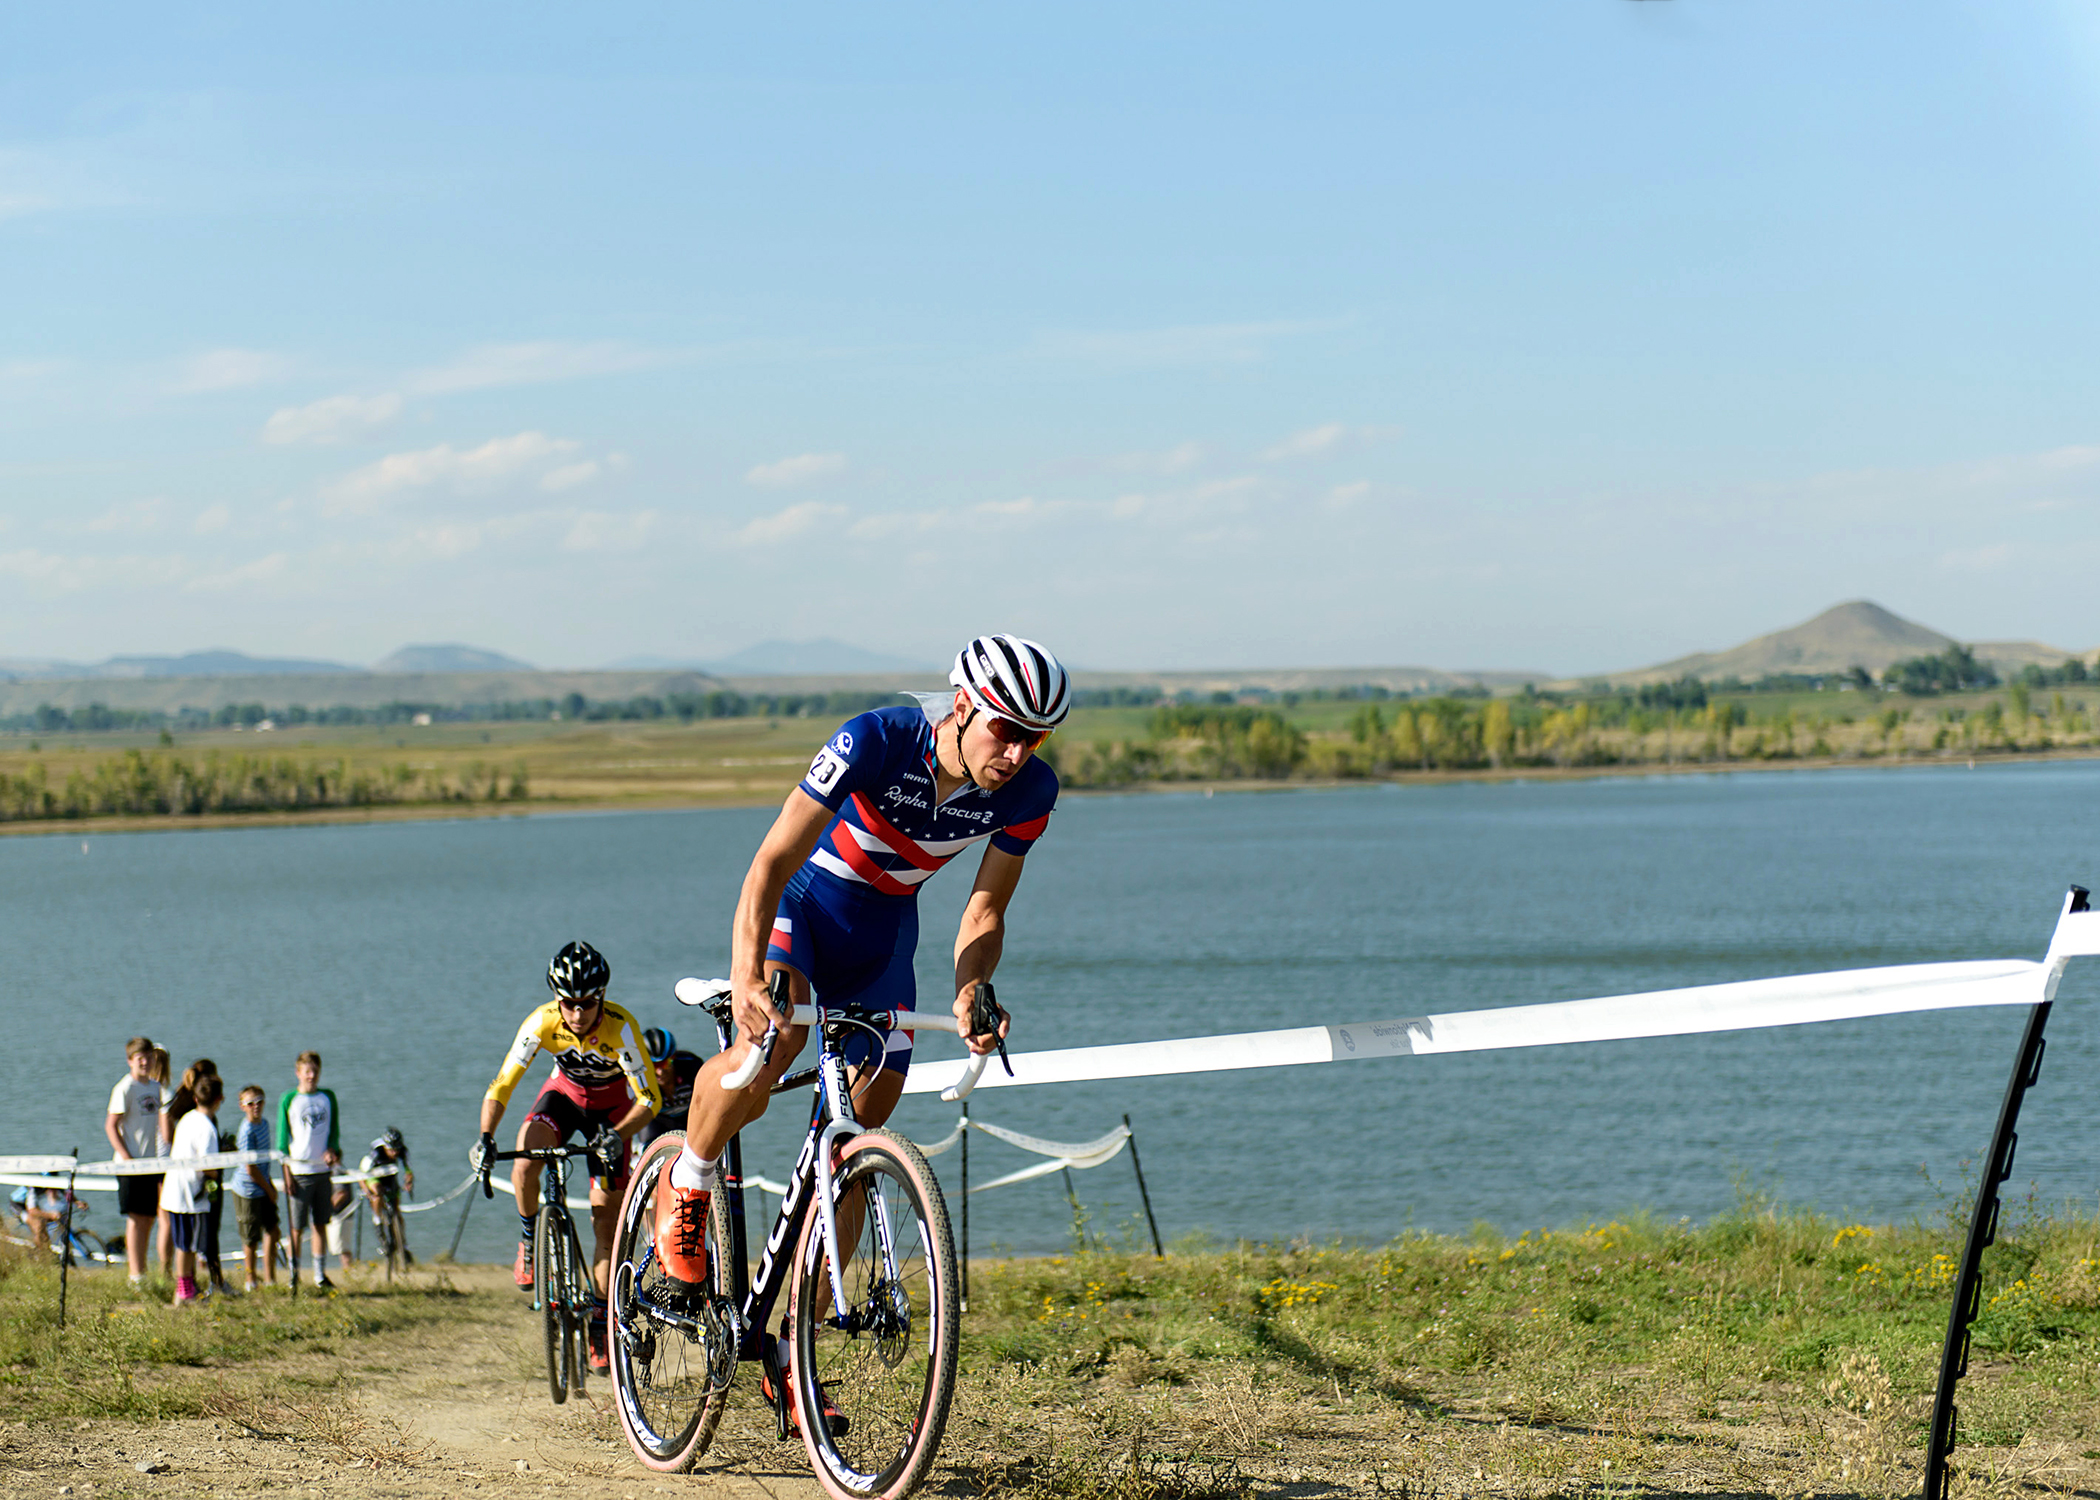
694	1173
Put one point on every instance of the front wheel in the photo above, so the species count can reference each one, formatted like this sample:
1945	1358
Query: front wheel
550	1264
886	1368
672	1347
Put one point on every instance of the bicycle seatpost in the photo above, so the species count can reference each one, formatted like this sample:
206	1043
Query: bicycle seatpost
761	1051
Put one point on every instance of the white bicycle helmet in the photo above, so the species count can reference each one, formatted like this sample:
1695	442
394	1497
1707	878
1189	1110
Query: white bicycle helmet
1014	679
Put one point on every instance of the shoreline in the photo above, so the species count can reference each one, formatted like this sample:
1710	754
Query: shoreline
543	807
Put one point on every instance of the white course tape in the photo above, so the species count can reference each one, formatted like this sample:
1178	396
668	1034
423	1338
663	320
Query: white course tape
502	1184
1801	999
1045	1168
1104	1148
32	1179
945	1143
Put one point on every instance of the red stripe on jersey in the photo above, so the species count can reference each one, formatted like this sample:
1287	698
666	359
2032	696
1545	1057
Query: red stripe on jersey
781	940
898	844
857	861
1030	830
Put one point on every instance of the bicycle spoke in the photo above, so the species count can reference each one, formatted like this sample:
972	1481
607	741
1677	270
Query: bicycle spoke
887	1365
670	1382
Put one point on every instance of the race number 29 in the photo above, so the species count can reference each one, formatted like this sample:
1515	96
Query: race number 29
825	770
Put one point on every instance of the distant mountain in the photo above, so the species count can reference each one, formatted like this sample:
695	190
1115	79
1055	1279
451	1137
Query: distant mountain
819	658
411	659
191	664
1859	633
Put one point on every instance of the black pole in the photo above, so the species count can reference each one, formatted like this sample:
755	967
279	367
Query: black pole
453	1254
1983	1230
65	1236
1144	1196
966	1207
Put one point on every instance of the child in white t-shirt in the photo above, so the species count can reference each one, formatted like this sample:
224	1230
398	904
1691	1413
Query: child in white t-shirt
133	1127
182	1193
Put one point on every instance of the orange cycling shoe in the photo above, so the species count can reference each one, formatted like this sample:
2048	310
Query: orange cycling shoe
521	1272
833	1417
681	1232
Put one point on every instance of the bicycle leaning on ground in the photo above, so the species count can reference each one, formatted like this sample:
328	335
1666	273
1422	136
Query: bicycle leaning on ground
870	1278
562	1292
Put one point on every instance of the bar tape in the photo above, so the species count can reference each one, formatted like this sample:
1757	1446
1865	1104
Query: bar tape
1797	1000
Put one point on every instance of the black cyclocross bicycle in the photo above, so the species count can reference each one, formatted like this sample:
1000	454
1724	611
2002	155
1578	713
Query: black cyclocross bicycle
870	1278
562	1292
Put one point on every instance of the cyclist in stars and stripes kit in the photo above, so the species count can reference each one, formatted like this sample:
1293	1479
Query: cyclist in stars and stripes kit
830	896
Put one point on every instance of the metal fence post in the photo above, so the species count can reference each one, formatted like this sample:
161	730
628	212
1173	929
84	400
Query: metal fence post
1143	1196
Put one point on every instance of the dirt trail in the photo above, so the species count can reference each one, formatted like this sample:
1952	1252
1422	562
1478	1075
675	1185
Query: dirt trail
462	1409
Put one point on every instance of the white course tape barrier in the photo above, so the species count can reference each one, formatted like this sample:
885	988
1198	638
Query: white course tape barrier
502	1184
1062	1156
1798	1000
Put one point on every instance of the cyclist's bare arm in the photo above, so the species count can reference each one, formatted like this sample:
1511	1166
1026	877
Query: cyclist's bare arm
716	1113
785	849
982	935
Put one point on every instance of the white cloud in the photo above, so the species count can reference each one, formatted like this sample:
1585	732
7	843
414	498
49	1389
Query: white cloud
131	516
1342	496
333	420
601	531
1328	437
230	369
568	476
535	364
498	462
213	518
58	573
802	469
781	526
261	570
1303	444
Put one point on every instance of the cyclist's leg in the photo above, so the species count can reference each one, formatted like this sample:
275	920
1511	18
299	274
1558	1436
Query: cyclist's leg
606	1193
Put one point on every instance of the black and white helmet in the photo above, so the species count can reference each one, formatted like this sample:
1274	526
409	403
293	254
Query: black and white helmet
579	972
1014	679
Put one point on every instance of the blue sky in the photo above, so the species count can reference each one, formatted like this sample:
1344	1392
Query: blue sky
1557	334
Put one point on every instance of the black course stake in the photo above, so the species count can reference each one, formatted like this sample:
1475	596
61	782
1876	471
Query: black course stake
1144	1196
1983	1229
65	1238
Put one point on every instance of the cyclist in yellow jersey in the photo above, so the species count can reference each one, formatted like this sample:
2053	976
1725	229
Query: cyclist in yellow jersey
602	1088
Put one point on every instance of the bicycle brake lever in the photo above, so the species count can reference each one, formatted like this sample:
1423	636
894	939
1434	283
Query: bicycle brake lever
985	1015
761	1052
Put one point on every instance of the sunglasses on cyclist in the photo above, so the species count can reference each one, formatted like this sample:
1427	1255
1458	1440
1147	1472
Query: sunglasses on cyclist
1007	732
581	1002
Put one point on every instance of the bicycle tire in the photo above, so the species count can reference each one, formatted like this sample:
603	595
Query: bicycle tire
670	1388
891	1377
550	1248
384	1225
399	1260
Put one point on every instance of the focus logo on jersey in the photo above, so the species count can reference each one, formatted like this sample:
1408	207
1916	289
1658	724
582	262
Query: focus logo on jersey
842	742
827	768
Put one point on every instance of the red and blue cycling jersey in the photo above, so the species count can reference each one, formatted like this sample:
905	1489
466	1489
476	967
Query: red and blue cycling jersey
848	921
877	775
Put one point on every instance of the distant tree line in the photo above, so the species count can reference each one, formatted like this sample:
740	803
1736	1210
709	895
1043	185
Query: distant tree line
137	783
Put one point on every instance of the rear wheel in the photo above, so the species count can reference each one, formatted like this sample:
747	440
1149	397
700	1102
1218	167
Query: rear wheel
550	1253
670	1379
887	1368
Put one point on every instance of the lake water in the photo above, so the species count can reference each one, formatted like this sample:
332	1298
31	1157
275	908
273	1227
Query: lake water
407	953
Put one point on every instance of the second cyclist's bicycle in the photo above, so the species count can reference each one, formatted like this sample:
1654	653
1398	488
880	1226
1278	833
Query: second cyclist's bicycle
862	1250
562	1292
